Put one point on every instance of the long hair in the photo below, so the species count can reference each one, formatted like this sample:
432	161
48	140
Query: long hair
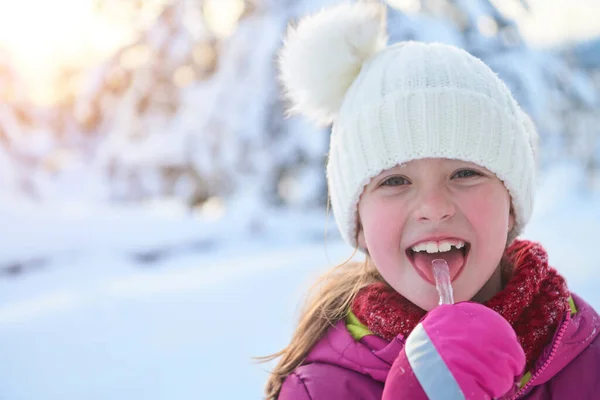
328	302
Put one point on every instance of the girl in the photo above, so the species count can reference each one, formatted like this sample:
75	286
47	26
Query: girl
430	158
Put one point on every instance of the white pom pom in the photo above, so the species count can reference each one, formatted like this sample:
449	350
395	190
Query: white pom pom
323	55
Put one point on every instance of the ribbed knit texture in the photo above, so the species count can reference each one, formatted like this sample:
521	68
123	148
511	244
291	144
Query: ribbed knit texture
533	302
414	100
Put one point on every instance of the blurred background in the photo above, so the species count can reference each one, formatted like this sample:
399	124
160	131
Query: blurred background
161	218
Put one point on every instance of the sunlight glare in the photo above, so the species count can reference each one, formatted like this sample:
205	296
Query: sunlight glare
43	36
222	15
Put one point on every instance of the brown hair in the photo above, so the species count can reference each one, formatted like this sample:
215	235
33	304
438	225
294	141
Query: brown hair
328	302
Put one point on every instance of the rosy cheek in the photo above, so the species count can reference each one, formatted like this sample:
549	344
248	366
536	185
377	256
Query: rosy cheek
375	219
476	207
382	222
487	210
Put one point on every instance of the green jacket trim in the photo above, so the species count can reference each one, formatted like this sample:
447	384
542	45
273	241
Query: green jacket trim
358	331
356	328
527	377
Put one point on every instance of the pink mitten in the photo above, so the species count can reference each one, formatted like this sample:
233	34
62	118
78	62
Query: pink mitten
459	351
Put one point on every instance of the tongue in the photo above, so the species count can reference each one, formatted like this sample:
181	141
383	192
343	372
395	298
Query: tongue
454	258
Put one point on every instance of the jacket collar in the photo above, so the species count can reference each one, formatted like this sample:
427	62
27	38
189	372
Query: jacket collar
373	356
534	300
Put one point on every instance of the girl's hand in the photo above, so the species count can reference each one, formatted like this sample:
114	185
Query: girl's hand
459	351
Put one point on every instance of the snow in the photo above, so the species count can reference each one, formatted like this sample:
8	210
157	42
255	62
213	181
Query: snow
403	26
136	133
587	54
135	304
94	321
160	236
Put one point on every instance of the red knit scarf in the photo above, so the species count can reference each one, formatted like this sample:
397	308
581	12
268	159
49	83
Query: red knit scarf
534	301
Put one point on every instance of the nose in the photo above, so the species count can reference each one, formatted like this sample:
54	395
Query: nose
434	205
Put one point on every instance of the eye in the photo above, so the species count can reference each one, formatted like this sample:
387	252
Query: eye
466	173
395	181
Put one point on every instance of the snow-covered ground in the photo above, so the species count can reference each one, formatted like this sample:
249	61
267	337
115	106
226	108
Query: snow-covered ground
134	305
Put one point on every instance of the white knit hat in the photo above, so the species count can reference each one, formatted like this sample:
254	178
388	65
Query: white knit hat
393	104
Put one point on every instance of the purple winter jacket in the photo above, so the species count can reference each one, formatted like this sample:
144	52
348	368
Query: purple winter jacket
340	367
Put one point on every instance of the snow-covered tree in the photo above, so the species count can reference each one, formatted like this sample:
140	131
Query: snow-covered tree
187	113
192	112
581	119
24	143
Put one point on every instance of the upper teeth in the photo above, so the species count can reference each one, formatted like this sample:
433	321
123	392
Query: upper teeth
437	247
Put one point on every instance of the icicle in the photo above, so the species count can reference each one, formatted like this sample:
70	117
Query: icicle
441	272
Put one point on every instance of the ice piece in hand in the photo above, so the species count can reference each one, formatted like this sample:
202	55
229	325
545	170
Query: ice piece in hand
443	284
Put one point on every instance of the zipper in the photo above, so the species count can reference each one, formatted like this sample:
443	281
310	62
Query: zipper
559	336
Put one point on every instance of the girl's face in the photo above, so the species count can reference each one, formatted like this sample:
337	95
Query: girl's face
426	209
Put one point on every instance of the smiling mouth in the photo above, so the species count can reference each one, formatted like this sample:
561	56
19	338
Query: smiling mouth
455	258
